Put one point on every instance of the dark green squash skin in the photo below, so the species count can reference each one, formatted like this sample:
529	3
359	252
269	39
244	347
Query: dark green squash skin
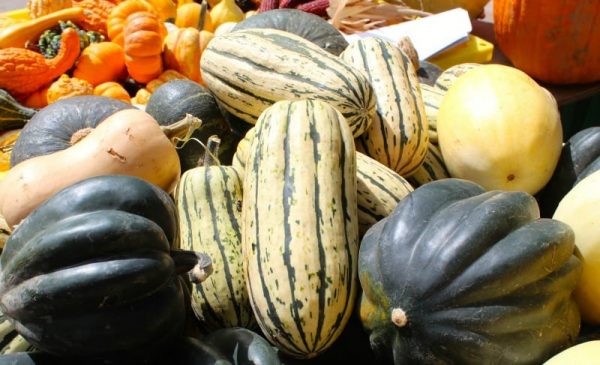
579	157
308	26
171	101
89	274
51	128
480	278
243	346
192	351
13	115
31	358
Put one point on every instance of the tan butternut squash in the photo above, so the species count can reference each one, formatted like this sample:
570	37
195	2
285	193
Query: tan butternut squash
129	142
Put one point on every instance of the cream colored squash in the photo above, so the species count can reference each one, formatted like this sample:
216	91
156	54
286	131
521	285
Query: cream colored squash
499	128
586	353
579	209
129	142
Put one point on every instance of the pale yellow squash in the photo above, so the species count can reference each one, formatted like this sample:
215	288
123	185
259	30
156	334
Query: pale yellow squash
499	128
586	353
579	209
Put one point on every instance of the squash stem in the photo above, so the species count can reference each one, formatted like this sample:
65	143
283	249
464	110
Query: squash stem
211	153
182	130
197	265
399	317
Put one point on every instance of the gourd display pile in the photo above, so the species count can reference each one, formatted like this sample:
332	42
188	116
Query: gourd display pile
215	183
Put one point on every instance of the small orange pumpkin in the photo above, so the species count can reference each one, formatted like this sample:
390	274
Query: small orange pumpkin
194	15
144	34
101	62
115	23
113	90
552	41
182	52
95	14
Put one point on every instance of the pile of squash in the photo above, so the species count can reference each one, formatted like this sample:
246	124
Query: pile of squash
291	198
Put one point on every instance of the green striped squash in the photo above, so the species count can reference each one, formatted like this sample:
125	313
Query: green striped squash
398	135
300	225
249	70
433	168
209	202
379	190
241	152
449	75
13	115
432	99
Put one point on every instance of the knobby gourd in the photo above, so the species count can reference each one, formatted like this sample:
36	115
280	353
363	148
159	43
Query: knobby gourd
23	71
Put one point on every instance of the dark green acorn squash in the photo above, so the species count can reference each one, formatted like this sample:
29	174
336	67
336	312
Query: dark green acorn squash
90	274
171	101
192	351
13	115
31	358
579	157
52	127
458	275
308	26
243	346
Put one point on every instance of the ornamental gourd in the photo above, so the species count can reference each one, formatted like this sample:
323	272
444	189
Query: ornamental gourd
553	42
91	274
143	37
128	142
461	275
23	71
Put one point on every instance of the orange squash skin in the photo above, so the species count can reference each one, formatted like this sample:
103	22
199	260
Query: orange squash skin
555	41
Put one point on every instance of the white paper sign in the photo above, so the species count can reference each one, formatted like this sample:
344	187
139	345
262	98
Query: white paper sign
429	35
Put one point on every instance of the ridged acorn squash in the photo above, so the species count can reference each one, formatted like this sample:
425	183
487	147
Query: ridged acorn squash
458	275
90	274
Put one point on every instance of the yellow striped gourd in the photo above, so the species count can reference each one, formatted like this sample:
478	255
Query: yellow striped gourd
398	136
209	202
250	69
300	225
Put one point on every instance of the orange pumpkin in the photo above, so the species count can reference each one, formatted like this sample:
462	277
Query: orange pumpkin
144	34
114	90
194	15
115	23
182	52
101	62
553	41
